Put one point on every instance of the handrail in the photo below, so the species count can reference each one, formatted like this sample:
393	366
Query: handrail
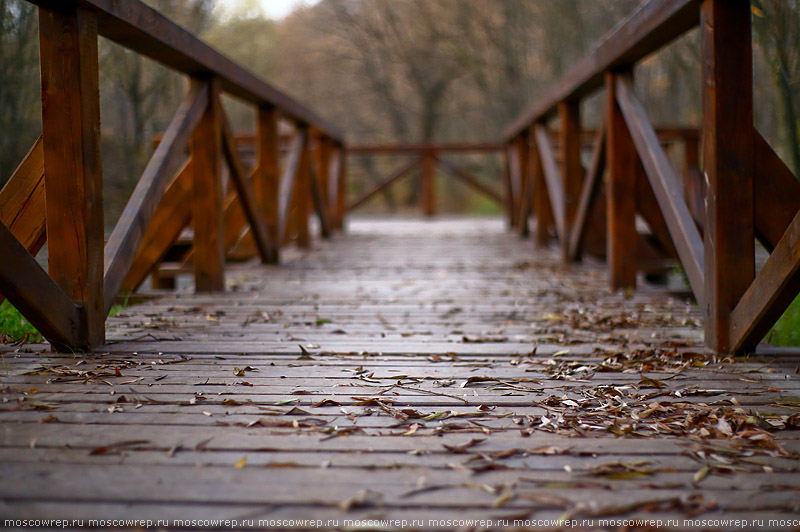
143	29
710	221
651	26
56	194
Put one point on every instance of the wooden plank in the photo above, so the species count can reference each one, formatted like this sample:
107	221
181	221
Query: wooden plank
694	188
72	162
589	192
648	209
552	178
22	202
421	149
322	173
766	299
623	173
301	199
654	24
286	188
572	172
172	215
340	181
245	193
466	177
428	183
43	303
143	29
514	175
207	195
728	155
318	171
138	213
776	193
666	185
334	169
508	197
542	206
266	179
522	146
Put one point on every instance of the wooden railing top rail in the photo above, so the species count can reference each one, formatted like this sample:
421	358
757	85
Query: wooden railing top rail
651	26
143	29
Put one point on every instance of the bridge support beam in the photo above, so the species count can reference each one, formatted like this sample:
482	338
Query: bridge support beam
571	167
207	196
73	172
623	172
728	144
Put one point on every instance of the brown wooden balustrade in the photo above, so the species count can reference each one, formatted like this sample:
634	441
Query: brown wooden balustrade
707	217
427	158
56	195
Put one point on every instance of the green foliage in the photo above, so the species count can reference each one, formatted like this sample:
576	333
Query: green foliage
786	331
14	327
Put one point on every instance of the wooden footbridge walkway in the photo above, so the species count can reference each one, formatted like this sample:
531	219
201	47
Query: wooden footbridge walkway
408	373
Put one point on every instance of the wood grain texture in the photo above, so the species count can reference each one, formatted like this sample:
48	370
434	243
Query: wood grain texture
266	180
522	146
728	157
171	216
382	323
43	303
552	178
73	169
542	207
623	173
592	186
666	186
572	172
163	165
776	193
143	29
339	180
244	191
288	179
207	196
772	291
22	201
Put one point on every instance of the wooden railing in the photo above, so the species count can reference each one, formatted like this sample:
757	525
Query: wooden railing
70	302
427	158
748	192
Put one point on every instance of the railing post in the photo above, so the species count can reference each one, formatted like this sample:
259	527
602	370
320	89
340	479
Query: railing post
728	139
623	170
572	169
509	197
207	196
73	171
523	202
267	177
302	194
428	184
341	189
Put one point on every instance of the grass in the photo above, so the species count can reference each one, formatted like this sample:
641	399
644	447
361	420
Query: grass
786	332
14	327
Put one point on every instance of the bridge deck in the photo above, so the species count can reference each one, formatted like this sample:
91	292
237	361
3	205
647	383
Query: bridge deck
447	371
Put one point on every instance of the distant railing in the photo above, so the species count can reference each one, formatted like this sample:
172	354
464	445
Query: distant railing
69	306
427	158
748	192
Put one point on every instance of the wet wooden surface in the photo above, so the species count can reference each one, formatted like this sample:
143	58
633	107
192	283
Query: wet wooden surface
448	373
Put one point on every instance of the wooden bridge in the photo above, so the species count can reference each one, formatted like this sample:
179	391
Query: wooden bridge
407	374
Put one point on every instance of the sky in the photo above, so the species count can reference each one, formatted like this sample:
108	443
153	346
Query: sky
272	8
